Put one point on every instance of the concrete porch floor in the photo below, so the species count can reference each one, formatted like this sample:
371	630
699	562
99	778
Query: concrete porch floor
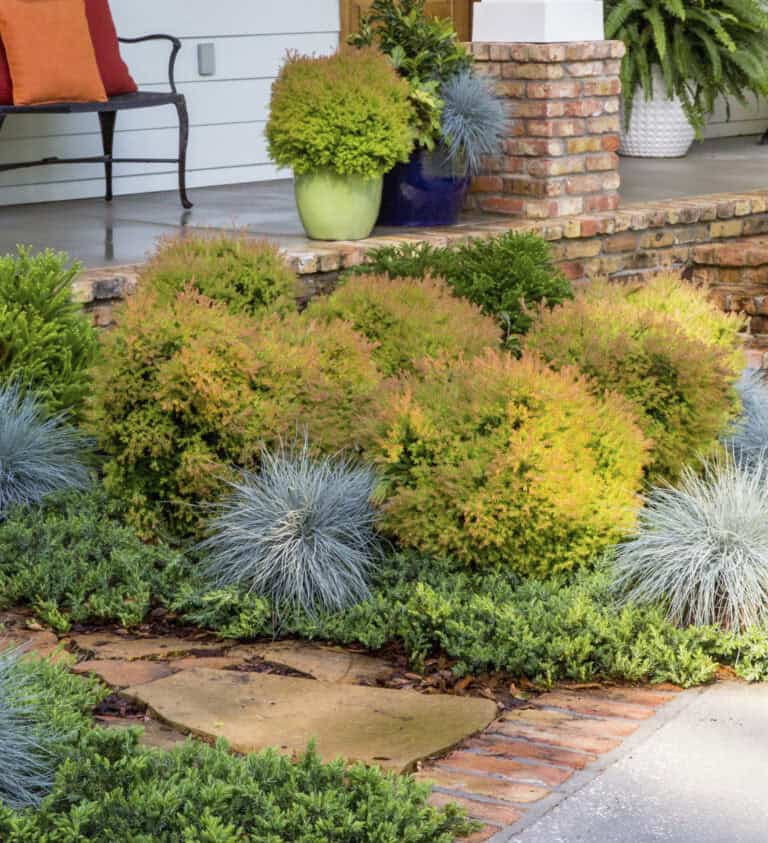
98	234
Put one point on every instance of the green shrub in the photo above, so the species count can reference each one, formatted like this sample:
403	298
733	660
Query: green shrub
249	276
492	621
74	563
110	789
348	112
408	319
682	388
187	390
46	341
506	275
501	461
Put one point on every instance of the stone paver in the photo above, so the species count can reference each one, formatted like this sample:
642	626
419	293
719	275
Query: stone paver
393	729
531	753
155	734
329	664
109	645
119	673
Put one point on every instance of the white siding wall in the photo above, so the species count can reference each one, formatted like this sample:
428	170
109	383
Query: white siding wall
751	119
227	111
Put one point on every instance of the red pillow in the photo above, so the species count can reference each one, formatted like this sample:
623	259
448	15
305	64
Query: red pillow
114	72
6	86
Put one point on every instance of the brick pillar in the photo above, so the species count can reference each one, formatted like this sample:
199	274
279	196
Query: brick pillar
563	104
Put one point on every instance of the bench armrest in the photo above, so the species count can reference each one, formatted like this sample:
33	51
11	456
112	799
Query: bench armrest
176	46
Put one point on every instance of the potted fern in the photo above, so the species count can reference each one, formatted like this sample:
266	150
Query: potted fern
456	118
681	56
340	122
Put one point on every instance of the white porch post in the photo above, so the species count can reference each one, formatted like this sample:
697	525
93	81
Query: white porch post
538	21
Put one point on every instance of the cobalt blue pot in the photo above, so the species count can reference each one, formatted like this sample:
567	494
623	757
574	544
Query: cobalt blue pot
422	192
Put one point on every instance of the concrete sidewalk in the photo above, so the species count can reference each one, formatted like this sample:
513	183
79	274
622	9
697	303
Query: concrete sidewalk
699	773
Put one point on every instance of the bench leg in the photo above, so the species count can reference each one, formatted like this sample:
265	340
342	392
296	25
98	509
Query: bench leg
107	120
181	108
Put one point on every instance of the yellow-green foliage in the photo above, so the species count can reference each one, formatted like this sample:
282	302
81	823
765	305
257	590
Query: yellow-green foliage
682	387
248	275
498	460
409	318
690	306
349	112
187	390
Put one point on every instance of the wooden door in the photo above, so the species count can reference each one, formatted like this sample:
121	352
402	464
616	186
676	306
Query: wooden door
460	12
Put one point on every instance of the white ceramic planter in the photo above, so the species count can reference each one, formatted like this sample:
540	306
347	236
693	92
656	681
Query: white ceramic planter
658	127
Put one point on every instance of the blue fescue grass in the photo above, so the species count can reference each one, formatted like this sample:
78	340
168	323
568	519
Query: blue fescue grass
473	122
701	549
26	757
748	438
38	454
301	531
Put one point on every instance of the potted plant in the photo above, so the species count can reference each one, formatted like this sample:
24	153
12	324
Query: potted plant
340	122
457	120
681	55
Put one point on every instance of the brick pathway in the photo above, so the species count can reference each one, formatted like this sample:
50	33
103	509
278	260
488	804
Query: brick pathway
530	752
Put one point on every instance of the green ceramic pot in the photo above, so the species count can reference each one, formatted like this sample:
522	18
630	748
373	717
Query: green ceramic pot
334	207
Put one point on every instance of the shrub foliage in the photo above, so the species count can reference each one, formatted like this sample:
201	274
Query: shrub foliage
301	531
681	387
495	460
187	391
348	112
407	319
506	276
249	276
38	455
46	341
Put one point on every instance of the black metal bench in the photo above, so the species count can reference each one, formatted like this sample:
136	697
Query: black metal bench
107	112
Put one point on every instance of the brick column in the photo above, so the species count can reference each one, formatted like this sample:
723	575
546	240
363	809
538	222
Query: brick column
563	104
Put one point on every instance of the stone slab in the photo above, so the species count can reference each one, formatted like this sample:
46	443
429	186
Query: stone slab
108	645
119	673
329	664
391	729
155	734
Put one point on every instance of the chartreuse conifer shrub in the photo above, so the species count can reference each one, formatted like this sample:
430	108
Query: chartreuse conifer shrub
250	276
494	460
681	387
507	276
47	342
299	531
701	548
348	112
39	454
187	391
407	319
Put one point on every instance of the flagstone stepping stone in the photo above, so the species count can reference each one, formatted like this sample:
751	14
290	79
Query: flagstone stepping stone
108	645
328	664
155	733
393	729
119	673
40	643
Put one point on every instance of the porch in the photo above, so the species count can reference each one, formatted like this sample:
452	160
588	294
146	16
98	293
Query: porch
99	234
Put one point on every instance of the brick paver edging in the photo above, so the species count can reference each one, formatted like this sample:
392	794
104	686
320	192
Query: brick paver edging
529	753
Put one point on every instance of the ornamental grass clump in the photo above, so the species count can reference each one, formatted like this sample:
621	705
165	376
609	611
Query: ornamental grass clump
250	276
681	388
498	461
26	759
39	454
407	319
300	531
748	438
47	342
348	112
702	548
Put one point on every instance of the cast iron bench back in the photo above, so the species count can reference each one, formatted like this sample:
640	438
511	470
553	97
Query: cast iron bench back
107	112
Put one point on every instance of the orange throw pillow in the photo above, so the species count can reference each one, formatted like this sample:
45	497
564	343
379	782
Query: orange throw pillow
50	52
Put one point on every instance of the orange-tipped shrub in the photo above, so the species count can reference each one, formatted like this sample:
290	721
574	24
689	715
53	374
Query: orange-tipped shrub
682	388
501	461
250	276
408	319
186	391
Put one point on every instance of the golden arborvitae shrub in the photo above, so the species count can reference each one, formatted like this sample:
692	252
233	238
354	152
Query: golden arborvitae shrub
408	319
494	460
186	391
682	387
